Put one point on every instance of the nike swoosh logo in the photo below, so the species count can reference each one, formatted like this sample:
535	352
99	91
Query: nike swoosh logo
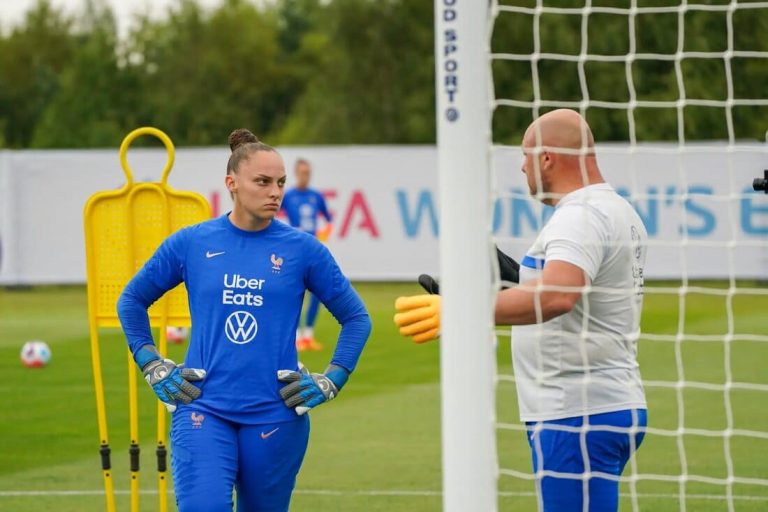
266	435
210	254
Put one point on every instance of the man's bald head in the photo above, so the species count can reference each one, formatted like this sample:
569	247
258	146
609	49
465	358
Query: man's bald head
560	129
559	155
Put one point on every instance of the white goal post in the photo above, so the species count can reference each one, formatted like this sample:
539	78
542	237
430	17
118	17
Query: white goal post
468	363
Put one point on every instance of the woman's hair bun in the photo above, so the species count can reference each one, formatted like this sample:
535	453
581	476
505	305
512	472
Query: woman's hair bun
241	136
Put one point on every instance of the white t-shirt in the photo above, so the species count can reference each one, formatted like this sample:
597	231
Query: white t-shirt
585	361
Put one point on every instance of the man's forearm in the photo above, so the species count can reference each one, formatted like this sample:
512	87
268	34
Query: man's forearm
532	303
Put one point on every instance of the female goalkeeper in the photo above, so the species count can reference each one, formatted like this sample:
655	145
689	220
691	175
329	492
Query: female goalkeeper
238	404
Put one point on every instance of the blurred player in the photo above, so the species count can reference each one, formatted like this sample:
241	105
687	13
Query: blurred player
576	318
304	206
234	423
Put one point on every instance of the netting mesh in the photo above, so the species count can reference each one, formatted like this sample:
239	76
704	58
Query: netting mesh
675	94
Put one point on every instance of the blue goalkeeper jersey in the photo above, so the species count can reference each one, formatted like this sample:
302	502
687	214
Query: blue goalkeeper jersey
303	208
245	296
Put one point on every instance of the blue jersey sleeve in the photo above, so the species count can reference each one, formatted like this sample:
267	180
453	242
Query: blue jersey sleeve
162	272
350	312
323	276
322	207
326	281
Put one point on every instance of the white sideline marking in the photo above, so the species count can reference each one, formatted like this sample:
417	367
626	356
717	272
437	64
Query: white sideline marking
327	492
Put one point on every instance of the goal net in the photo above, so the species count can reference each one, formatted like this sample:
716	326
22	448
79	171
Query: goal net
675	93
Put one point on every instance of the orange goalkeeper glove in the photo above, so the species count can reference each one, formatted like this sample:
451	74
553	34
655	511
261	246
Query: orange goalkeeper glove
418	316
324	233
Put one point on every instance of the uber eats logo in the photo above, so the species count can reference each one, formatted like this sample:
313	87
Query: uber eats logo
239	291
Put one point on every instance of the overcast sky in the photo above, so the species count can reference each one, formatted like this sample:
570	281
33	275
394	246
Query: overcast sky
12	11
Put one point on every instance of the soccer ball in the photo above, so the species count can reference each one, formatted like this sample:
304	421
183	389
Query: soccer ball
176	335
35	354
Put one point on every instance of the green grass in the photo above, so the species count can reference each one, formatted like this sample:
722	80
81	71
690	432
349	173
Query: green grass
377	448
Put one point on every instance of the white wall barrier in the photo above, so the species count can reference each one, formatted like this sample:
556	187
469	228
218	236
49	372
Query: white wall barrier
702	217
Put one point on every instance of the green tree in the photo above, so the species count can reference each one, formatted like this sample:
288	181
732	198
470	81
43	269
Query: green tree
203	76
94	106
362	71
32	59
372	78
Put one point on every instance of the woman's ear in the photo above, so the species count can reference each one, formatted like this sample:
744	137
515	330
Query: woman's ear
229	181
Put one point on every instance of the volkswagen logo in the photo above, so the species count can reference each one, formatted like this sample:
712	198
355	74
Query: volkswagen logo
241	327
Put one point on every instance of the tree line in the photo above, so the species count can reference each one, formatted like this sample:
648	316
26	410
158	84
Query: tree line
362	72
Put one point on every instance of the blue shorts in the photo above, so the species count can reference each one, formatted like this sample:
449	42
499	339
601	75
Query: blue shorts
211	456
562	451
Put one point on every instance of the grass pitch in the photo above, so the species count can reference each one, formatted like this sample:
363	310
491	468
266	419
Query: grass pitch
377	448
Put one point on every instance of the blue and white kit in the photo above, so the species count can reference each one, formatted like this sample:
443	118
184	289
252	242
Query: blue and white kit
582	366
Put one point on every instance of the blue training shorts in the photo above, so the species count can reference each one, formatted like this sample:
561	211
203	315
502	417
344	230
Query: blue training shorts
562	451
210	456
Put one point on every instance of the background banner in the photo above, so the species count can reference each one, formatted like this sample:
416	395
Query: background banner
702	216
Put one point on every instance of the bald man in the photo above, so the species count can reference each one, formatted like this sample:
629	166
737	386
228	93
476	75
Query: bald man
576	322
